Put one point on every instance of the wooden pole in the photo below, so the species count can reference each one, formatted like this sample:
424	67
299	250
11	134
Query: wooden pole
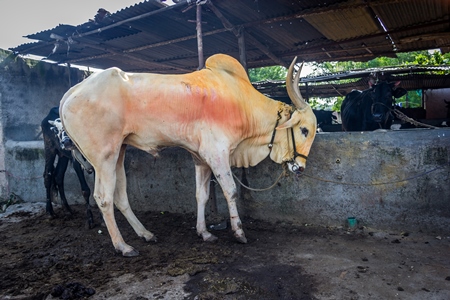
241	44
70	77
201	61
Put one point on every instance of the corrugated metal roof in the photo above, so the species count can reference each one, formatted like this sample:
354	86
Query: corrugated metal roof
151	37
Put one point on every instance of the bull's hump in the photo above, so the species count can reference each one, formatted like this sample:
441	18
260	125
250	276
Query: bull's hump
222	62
116	72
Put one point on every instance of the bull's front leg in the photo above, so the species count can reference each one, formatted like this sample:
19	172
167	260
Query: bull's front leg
202	178
226	181
222	171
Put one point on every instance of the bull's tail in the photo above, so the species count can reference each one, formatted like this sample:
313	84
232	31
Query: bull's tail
77	152
83	161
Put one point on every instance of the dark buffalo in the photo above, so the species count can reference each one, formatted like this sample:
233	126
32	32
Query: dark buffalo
370	109
54	176
325	118
447	105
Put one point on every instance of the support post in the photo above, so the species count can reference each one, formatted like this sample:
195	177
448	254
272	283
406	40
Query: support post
201	60
307	92
242	50
70	76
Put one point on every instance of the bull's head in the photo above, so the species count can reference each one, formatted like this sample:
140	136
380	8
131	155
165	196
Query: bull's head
302	125
382	100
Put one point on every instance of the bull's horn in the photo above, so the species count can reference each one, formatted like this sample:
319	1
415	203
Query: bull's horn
292	86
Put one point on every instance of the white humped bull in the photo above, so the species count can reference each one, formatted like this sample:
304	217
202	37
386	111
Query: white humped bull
214	113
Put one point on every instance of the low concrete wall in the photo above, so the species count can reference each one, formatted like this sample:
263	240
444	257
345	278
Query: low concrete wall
357	175
24	170
28	90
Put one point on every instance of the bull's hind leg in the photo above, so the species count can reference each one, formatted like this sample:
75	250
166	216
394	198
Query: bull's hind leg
121	200
202	178
105	183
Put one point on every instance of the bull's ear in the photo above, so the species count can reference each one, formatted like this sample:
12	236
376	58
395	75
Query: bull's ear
399	92
295	119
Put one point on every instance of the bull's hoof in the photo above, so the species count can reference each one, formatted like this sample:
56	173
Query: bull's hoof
208	237
131	253
126	250
52	215
151	239
241	239
148	236
68	214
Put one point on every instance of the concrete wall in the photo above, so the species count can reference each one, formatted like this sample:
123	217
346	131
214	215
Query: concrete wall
347	171
348	174
28	89
352	175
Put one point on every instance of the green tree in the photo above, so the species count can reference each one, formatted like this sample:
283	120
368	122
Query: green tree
402	59
267	73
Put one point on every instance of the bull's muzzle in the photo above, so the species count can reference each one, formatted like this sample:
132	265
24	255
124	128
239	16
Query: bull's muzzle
295	168
378	117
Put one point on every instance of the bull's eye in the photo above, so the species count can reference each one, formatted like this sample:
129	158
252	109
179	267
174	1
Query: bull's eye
304	131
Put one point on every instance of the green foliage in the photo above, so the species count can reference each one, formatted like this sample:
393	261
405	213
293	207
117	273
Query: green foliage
435	58
4	55
267	73
411	99
402	59
333	103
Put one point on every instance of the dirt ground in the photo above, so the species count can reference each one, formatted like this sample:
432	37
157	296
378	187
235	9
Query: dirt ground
43	258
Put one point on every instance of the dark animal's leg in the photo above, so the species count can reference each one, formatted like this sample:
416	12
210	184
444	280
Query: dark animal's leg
85	191
61	168
49	179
